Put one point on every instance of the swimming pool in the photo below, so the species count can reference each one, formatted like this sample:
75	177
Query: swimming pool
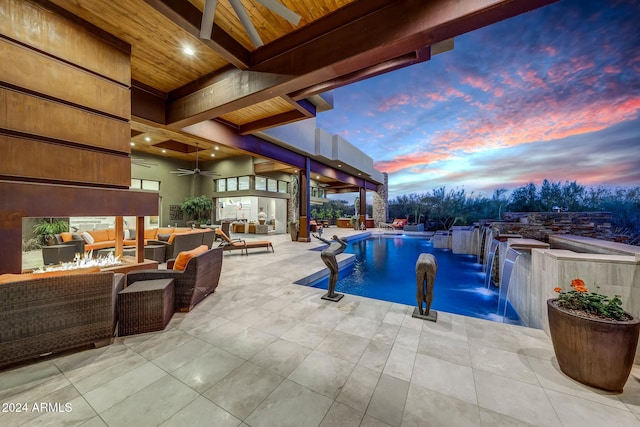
385	269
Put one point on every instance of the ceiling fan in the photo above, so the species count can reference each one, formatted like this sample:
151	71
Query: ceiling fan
206	26
141	162
196	170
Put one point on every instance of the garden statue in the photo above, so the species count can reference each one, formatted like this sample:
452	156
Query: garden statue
426	269
328	255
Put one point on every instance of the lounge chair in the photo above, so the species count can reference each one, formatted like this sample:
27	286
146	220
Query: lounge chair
229	244
399	223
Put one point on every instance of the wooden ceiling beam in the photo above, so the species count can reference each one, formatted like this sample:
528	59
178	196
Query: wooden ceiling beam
269	122
306	108
238	90
390	32
188	17
375	70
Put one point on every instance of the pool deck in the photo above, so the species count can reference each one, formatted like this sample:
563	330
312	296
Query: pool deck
262	351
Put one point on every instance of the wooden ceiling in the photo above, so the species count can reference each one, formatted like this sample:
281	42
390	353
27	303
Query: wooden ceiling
228	79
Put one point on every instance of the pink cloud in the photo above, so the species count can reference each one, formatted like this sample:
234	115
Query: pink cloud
611	69
435	96
394	102
530	76
477	82
542	120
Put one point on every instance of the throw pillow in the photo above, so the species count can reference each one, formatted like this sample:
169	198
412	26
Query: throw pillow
66	237
125	234
183	257
164	237
88	238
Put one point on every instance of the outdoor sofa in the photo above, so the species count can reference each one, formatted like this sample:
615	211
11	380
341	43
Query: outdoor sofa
42	314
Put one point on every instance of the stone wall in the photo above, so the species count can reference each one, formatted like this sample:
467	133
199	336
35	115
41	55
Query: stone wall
381	201
539	225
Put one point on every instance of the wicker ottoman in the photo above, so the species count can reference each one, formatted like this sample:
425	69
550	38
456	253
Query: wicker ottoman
145	306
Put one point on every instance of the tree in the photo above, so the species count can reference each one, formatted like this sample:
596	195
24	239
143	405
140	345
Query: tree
525	199
199	208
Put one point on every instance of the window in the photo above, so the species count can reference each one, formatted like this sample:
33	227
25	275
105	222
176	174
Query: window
243	183
282	186
221	185
145	184
272	185
150	185
261	183
232	184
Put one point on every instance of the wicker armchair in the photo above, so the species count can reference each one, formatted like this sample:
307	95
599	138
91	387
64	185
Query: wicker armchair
199	278
40	316
184	242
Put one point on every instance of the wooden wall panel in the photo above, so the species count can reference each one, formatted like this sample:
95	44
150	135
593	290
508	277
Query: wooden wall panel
39	160
54	120
31	70
35	26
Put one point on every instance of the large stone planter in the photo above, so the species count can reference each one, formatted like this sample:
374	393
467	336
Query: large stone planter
595	352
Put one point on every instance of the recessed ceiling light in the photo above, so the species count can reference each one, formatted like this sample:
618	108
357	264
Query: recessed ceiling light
132	143
359	174
213	154
216	148
188	51
164	151
317	176
146	138
339	166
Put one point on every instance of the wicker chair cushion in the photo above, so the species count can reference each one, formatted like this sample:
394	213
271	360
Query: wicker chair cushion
183	257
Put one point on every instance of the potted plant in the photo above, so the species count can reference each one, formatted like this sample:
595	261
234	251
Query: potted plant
594	339
47	228
199	208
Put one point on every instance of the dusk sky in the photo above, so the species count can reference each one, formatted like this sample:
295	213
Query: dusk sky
553	93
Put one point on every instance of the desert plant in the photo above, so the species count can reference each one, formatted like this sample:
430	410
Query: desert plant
45	229
199	208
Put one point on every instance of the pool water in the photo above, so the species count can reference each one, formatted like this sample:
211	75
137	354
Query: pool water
384	269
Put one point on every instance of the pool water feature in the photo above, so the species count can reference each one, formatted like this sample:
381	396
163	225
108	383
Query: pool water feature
384	269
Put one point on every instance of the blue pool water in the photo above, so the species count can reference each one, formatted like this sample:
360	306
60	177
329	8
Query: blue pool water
385	269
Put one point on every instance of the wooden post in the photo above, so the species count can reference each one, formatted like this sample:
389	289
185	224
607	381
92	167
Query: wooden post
140	239
119	236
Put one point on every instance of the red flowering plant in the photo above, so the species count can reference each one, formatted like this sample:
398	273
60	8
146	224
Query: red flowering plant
592	304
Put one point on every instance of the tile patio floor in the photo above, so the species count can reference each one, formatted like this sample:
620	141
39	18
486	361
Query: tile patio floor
263	351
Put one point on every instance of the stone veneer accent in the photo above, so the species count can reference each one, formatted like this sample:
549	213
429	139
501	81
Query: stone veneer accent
292	204
539	225
381	201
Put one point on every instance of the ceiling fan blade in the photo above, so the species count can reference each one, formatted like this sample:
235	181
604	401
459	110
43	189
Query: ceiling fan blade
281	10
246	22
182	172
209	173
141	162
206	26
